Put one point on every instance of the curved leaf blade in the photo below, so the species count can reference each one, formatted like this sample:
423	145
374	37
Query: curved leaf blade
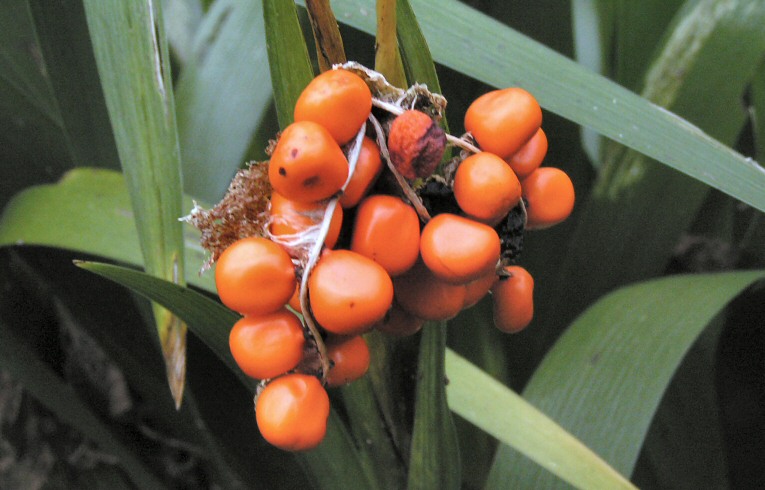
604	378
472	42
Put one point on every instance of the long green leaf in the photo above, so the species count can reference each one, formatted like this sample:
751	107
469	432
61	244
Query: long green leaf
133	62
222	95
335	463
491	406
605	377
435	460
287	56
493	53
88	211
38	378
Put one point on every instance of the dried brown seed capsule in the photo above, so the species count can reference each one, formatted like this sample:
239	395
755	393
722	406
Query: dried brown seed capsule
416	144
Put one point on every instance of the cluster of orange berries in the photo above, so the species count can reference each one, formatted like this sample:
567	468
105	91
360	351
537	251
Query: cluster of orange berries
394	274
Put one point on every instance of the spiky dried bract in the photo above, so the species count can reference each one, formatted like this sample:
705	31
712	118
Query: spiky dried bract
242	213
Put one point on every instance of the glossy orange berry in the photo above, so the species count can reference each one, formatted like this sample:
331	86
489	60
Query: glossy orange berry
416	144
350	359
292	412
399	322
387	230
476	290
423	295
501	121
267	345
290	217
338	100
549	193
294	301
530	155
349	292
486	188
513	299
307	165
457	249
255	276
368	168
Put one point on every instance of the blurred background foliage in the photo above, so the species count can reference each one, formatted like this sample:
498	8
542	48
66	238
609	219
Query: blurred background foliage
664	379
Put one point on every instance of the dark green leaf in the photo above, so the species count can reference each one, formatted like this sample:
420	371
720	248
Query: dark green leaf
287	56
605	377
435	460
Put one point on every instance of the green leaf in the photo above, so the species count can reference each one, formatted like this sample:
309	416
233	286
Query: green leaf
88	211
182	21
604	378
221	96
133	61
635	197
417	59
287	56
490	406
70	66
42	383
434	461
335	462
495	54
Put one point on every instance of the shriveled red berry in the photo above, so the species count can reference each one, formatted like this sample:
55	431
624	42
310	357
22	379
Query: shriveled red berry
416	144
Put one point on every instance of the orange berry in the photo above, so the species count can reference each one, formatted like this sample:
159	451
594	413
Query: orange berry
267	345
292	412
549	194
307	165
486	188
387	230
422	294
255	276
368	167
416	144
476	290
399	323
457	249
529	157
349	292
338	100
291	217
350	359
294	301
513	299
501	121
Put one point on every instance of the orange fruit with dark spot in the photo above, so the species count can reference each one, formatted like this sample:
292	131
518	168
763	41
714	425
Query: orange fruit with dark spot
501	121
292	412
307	165
349	292
457	249
513	299
350	359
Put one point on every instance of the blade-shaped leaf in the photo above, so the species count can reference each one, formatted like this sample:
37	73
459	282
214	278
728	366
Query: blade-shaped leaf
435	460
88	210
493	53
491	406
133	62
335	462
40	380
222	95
287	56
387	55
326	34
605	377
